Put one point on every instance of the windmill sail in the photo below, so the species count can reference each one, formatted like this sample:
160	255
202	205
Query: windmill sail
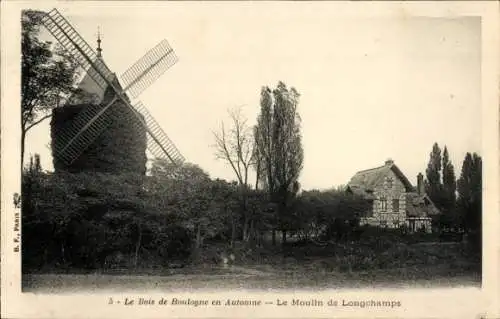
137	78
158	142
148	68
82	131
79	49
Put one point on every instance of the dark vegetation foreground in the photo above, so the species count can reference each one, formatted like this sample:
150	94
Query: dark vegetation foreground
297	267
106	231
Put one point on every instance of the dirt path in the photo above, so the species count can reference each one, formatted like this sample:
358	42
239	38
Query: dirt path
231	278
251	271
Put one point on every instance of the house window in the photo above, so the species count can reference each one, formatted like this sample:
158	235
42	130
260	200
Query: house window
395	205
389	182
383	204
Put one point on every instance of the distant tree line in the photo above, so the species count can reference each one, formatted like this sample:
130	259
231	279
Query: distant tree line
101	221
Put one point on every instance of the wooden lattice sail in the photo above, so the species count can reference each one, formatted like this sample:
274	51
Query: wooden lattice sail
90	123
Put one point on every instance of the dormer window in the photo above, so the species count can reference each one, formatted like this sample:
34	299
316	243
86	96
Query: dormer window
390	182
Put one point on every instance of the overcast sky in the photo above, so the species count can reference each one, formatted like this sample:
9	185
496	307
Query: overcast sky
371	88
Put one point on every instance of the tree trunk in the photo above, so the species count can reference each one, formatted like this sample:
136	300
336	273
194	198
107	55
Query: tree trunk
283	236
233	232
23	137
251	236
63	253
198	236
246	229
138	245
244	203
257	176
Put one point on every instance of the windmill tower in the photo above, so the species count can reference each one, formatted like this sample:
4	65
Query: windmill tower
108	133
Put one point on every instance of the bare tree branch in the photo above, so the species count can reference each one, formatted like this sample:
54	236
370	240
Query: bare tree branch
28	127
223	152
236	146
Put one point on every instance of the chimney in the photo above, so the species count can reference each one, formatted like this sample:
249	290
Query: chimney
420	184
389	162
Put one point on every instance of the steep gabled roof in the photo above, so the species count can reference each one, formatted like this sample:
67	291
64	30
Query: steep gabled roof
87	84
357	190
420	205
100	95
366	180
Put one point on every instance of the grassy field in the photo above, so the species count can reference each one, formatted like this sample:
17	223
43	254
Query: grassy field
254	278
350	265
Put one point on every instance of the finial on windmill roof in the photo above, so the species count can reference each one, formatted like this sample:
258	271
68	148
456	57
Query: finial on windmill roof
99	50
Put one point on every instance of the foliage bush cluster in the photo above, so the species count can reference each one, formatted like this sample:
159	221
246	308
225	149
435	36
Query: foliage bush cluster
107	221
91	221
400	255
370	248
384	254
98	220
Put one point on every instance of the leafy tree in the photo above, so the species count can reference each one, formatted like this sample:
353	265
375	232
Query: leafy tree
433	184
96	220
332	213
85	219
261	215
187	171
279	148
312	213
46	75
30	183
470	196
224	209
188	193
449	189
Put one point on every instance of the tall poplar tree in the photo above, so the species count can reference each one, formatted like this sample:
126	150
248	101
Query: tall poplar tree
449	188
470	191
278	147
433	185
470	197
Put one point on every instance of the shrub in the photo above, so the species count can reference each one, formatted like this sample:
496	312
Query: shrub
82	220
174	243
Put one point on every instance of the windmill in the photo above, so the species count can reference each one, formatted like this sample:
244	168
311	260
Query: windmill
91	122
